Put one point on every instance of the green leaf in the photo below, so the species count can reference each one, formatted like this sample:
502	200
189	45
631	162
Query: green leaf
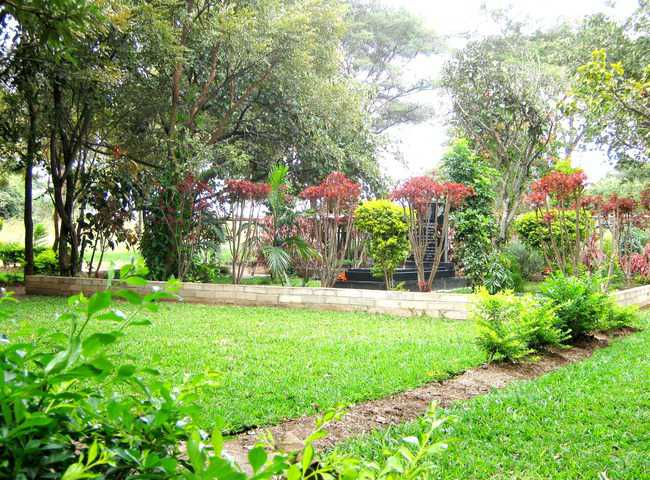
95	342
257	458
126	371
99	301
307	457
136	282
130	296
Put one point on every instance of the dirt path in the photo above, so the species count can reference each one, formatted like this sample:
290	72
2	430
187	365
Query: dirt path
399	408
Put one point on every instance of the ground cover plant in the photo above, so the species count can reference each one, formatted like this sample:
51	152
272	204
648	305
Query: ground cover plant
278	363
586	420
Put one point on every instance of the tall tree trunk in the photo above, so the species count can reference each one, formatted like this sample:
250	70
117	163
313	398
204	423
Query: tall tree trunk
27	213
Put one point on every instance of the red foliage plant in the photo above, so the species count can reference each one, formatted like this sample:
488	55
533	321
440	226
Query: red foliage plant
552	196
640	263
333	202
621	214
236	190
244	200
424	201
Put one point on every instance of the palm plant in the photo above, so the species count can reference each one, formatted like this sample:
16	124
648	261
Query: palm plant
281	240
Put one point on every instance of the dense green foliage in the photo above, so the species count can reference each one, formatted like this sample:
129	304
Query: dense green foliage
580	304
46	262
535	231
529	261
582	421
511	327
384	223
473	222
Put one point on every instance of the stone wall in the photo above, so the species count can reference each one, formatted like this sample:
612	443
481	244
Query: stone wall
442	305
639	296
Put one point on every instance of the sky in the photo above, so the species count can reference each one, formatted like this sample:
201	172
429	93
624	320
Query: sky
422	145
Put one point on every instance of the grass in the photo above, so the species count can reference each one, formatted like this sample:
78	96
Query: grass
581	421
280	363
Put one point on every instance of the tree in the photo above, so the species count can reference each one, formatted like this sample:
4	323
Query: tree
427	205
244	200
283	240
618	101
332	203
474	225
553	197
380	46
36	34
387	230
504	102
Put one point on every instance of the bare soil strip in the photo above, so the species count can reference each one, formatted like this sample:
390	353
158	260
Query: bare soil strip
403	407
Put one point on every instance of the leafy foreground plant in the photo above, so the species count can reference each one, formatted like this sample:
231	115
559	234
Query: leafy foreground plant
57	421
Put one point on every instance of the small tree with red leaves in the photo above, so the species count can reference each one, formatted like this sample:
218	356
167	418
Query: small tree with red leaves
425	202
558	200
243	201
332	204
184	213
621	214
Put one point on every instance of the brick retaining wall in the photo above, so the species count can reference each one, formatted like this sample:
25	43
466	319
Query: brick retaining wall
639	296
441	305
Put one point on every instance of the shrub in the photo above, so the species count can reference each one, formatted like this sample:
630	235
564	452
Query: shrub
536	233
46	262
40	235
473	222
12	253
540	320
500	332
387	229
511	327
529	260
618	316
580	304
499	275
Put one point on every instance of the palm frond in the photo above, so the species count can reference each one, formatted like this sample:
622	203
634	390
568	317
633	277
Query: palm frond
277	261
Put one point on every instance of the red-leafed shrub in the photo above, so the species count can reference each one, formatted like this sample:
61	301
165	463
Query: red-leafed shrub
558	201
640	264
332	204
243	201
427	205
183	213
621	215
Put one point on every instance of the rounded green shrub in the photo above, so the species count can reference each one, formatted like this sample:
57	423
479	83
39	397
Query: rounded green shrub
387	229
46	262
534	231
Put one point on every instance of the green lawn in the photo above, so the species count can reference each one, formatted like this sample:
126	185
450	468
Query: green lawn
279	363
578	422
